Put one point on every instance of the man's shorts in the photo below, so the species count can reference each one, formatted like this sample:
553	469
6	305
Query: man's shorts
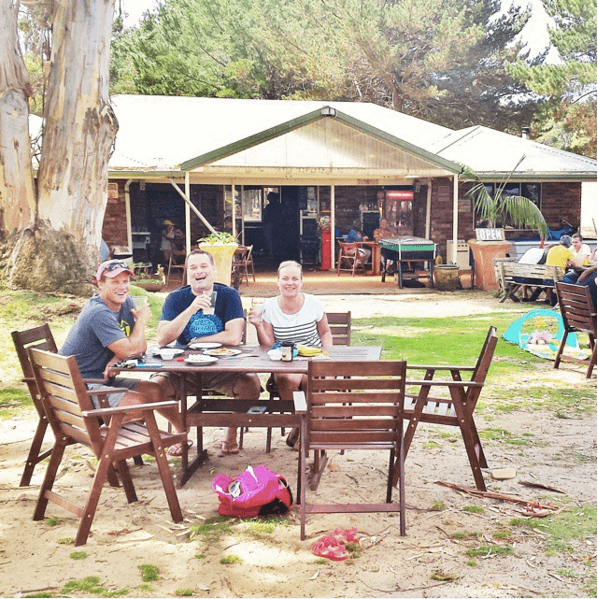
113	398
221	382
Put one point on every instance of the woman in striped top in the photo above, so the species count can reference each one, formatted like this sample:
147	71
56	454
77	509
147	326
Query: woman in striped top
291	316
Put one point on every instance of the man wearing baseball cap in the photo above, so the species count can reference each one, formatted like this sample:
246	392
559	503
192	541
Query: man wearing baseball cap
110	329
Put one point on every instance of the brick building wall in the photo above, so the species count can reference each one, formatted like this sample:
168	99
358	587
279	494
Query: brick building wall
114	230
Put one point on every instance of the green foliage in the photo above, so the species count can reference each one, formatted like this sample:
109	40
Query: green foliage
91	585
212	527
488	550
53	521
438	506
231	559
42	594
149	573
565	528
76	555
219	237
500	207
66	541
183	593
473	509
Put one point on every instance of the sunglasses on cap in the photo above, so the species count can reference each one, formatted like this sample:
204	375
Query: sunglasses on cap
114	265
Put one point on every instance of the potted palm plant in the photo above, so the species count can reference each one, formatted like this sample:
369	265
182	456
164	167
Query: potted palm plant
494	209
222	247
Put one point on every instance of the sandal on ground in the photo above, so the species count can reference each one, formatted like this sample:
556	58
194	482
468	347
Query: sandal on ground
176	450
292	438
227	448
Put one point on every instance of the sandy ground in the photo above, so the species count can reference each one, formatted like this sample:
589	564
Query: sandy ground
428	562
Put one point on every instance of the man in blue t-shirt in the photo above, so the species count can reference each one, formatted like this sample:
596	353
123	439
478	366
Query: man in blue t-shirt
110	329
188	315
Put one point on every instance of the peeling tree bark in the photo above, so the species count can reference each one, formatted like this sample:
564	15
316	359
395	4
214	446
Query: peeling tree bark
54	244
17	195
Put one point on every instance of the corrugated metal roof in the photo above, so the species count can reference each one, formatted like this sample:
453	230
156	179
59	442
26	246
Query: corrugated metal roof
490	152
159	133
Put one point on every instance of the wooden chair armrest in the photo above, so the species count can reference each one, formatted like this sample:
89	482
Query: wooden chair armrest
125	409
300	402
437	367
443	383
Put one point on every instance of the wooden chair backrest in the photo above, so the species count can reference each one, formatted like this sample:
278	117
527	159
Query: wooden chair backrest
340	327
40	337
355	405
64	396
577	309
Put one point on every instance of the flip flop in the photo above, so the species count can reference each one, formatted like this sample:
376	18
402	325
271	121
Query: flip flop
228	448
176	450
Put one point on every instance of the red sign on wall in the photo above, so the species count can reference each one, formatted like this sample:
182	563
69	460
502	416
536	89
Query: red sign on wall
399	194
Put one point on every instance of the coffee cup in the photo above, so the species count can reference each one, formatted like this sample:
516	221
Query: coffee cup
287	348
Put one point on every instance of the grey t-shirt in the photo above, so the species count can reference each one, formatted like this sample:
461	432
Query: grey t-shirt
96	328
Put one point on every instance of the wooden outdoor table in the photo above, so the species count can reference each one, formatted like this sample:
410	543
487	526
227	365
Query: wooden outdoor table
375	247
252	359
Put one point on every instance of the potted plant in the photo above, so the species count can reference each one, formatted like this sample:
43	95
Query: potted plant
150	282
222	247
494	209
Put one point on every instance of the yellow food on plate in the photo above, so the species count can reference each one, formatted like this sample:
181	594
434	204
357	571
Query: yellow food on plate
307	350
222	351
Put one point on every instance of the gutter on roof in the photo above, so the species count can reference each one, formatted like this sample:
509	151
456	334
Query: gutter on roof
492	176
310	117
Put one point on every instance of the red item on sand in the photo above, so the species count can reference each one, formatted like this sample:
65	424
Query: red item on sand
333	546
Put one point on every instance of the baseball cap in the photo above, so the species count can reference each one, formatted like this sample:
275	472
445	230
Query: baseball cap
168	222
112	268
566	240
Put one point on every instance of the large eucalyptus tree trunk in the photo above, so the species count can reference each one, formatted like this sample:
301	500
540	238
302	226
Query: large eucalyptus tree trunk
57	249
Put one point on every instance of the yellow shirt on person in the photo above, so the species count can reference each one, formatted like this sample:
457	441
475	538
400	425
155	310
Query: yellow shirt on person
558	256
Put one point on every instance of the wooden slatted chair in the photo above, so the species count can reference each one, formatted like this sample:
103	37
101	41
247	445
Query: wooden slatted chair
74	419
579	315
348	258
177	262
464	389
40	337
340	327
243	261
356	405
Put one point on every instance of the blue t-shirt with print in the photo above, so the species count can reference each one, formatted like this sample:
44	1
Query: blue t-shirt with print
228	307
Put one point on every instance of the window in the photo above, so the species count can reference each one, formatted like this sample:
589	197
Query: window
532	191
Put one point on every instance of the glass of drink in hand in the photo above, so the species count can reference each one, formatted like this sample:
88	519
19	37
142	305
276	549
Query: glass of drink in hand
213	297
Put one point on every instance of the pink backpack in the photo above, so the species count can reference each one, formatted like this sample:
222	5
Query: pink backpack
256	492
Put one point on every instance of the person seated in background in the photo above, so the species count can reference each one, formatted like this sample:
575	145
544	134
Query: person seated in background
581	257
531	256
586	277
558	255
386	231
170	235
188	315
355	235
110	329
291	316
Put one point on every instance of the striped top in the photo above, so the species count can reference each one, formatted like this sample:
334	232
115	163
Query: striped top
299	328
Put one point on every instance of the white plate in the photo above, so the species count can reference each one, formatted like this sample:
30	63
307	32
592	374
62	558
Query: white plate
199	359
222	352
204	345
155	350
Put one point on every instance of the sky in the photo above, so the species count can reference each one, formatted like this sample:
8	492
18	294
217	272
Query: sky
535	31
